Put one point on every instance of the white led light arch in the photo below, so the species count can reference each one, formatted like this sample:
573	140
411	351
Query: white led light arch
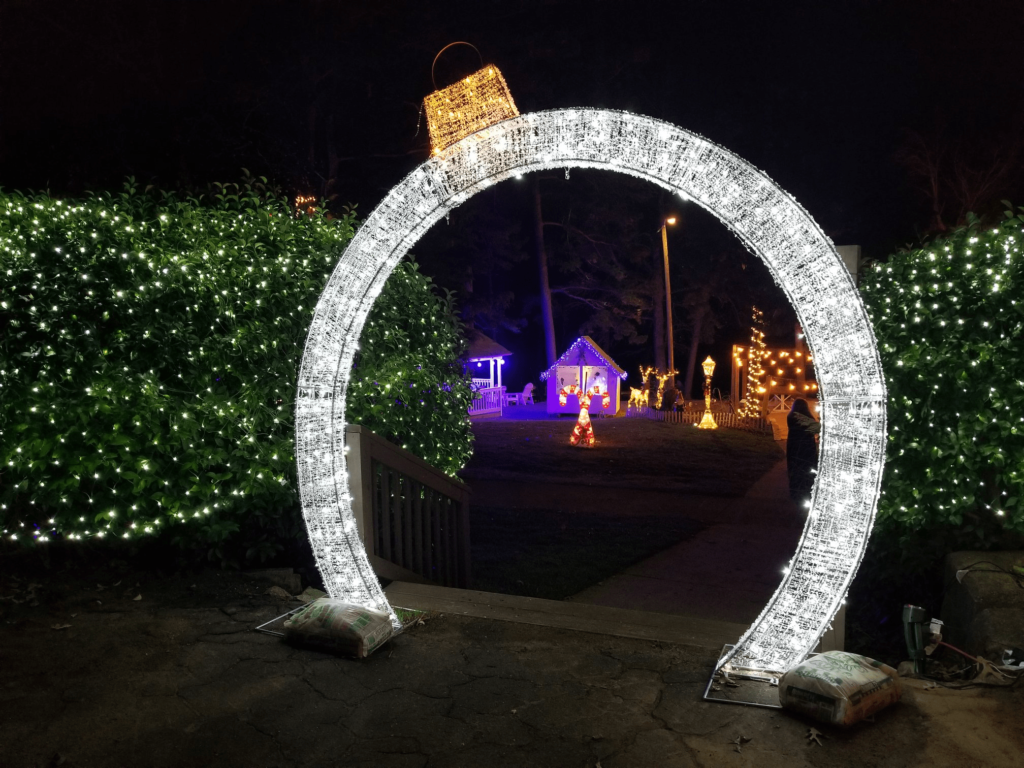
772	225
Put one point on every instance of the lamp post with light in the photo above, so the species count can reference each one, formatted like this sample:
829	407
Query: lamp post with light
668	293
707	421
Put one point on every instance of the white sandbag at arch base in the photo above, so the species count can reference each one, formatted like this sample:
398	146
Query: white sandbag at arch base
770	223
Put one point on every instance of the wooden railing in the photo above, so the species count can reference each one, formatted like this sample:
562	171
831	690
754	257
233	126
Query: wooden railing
413	518
694	416
487	400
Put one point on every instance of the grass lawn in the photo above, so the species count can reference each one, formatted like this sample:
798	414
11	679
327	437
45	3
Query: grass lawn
630	453
554	553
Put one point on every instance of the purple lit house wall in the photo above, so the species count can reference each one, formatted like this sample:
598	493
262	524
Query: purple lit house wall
585	364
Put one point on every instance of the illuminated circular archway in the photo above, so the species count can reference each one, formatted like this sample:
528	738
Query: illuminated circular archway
772	225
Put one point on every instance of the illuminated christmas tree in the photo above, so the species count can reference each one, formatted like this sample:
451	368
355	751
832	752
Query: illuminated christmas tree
751	405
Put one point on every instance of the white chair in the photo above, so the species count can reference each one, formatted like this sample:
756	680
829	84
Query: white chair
520	398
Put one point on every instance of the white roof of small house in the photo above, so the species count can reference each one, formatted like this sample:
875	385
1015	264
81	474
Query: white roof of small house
571	357
483	347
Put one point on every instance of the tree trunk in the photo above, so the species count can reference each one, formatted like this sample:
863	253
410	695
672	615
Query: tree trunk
467	291
545	283
658	302
691	358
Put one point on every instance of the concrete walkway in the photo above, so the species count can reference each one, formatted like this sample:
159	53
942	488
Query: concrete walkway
705	634
725	573
703	592
728	571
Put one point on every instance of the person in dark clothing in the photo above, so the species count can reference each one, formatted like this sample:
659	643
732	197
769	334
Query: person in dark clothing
801	450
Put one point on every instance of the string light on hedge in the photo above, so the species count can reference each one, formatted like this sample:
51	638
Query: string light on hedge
958	373
141	277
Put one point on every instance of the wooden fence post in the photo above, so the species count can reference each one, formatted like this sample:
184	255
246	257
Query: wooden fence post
466	575
360	480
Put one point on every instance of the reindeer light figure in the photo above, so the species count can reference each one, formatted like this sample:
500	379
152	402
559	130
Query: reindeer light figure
583	432
662	378
637	397
645	376
644	397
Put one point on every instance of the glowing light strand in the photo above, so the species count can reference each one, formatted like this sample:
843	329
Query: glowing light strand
474	102
773	226
750	408
568	356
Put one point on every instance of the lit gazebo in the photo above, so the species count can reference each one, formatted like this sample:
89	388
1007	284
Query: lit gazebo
484	361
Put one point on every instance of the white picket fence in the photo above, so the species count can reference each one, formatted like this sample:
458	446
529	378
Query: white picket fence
731	420
487	400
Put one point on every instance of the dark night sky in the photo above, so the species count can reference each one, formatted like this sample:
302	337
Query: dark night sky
323	97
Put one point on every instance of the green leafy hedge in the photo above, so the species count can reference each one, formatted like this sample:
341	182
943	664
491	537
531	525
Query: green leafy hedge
948	321
148	364
407	382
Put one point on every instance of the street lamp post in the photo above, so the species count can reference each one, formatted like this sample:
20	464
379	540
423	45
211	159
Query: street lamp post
668	293
708	421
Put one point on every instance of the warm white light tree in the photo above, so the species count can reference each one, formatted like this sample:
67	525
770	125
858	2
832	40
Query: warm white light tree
751	406
763	216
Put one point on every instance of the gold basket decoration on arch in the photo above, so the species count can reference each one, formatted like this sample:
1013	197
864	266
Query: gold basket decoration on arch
475	102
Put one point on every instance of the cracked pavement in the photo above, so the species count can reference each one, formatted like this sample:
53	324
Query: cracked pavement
180	678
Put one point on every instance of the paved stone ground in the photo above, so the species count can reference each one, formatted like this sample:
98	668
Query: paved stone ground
179	678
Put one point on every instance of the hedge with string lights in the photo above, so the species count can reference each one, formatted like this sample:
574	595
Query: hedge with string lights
407	382
148	361
948	319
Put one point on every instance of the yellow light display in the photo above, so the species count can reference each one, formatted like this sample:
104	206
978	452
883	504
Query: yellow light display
637	397
771	384
305	204
707	420
645	374
645	384
751	404
662	378
473	103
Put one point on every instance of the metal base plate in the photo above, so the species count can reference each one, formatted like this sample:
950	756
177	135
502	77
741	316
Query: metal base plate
264	627
740	689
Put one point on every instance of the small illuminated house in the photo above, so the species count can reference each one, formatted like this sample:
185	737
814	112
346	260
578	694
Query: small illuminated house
484	360
586	365
788	374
